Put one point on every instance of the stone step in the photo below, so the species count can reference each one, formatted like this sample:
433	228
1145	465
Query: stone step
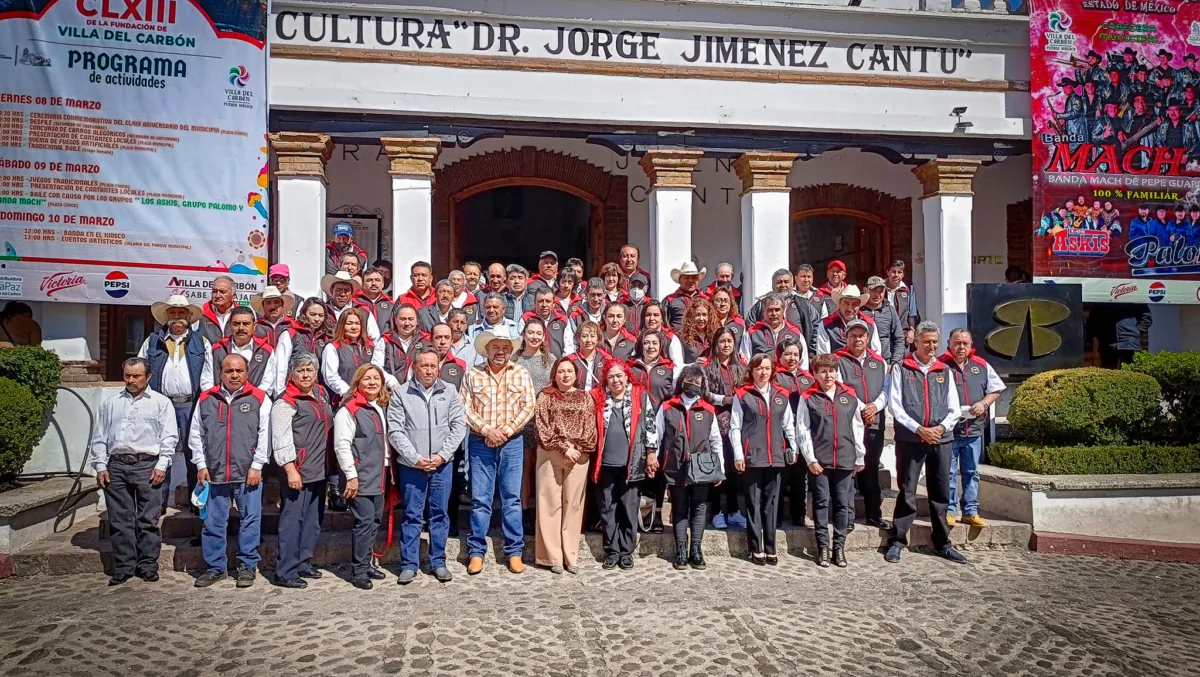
81	550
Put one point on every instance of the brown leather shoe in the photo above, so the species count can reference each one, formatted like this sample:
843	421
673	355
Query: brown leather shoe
974	521
475	565
515	564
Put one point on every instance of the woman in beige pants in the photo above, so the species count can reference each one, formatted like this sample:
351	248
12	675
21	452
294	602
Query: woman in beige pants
566	434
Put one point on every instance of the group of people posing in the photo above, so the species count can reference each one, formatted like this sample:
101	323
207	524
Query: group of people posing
567	398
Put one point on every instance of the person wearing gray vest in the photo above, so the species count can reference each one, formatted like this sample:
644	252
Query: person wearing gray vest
426	425
765	335
361	446
979	386
229	443
401	344
829	428
301	425
923	403
259	353
867	372
625	436
692	461
762	433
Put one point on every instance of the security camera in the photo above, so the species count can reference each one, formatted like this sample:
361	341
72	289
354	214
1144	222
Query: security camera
958	110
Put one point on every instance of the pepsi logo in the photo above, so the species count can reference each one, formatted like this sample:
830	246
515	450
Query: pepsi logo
116	284
1157	292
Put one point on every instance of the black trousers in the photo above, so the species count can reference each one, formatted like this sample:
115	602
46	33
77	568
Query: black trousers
618	508
368	512
794	485
689	505
832	486
183	421
868	479
458	484
935	459
299	527
134	506
762	508
731	489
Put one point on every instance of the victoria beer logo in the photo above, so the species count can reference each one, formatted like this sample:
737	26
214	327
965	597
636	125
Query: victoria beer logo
60	281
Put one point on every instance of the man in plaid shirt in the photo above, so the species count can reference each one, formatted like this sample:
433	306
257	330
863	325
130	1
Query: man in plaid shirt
498	399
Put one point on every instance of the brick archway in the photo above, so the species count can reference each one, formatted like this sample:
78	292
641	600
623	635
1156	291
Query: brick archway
893	215
530	166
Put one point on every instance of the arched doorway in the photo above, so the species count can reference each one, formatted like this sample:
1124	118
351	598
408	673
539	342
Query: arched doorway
859	240
514	220
871	228
510	205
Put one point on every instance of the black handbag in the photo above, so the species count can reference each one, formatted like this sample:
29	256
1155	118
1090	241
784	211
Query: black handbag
705	467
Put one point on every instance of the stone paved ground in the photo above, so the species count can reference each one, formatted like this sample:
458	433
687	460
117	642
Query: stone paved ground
1007	613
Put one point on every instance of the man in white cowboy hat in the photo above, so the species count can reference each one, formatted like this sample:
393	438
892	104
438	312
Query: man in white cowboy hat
832	336
340	288
180	368
688	277
274	309
261	369
498	400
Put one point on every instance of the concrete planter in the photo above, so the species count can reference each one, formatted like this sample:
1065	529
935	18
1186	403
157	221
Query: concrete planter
1155	508
28	514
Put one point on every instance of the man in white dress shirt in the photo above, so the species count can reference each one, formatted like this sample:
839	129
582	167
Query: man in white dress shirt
132	446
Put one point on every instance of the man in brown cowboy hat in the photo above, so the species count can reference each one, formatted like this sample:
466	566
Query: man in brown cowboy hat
832	336
180	367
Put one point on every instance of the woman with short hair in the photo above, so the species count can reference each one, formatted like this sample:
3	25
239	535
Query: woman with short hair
301	421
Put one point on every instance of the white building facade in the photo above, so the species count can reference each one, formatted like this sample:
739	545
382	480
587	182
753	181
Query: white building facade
766	134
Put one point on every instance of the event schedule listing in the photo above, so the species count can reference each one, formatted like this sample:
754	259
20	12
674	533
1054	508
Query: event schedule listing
45	196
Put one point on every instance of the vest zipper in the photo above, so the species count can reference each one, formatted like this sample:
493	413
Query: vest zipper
833	406
228	440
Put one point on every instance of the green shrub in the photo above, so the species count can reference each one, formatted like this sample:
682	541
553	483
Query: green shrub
1179	376
1086	406
35	368
1143	459
21	424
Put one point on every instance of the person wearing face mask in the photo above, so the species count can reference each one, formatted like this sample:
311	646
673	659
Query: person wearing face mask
180	368
626	435
762	433
638	292
656	375
692	461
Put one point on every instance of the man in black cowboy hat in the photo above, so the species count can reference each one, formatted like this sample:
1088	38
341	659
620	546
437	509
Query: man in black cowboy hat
1114	86
1136	119
1175	132
1188	75
1092	72
1163	91
1108	124
1128	63
1138	84
1073	117
1163	67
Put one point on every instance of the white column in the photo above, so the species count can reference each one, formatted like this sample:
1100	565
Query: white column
946	211
670	201
411	163
300	213
766	219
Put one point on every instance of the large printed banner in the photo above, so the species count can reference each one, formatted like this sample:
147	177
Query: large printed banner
1116	120
133	158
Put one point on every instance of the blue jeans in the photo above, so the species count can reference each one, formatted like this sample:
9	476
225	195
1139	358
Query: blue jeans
212	538
967	452
503	467
419	489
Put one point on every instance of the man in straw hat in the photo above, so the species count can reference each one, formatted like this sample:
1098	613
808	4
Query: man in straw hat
677	302
498	399
274	309
340	288
180	368
832	336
